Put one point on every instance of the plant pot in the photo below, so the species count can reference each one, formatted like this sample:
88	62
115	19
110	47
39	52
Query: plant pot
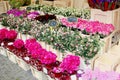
3	51
23	64
11	56
38	74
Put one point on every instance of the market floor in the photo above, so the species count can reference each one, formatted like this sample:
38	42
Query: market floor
11	71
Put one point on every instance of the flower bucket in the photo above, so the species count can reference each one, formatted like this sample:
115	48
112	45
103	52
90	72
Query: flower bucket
38	74
23	64
3	51
11	56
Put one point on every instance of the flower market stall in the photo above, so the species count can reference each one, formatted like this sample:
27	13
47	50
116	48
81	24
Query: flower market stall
60	43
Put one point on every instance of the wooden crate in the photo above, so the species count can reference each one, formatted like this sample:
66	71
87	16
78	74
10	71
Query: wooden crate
110	17
11	56
49	3
38	74
3	51
106	62
109	41
3	7
22	64
62	3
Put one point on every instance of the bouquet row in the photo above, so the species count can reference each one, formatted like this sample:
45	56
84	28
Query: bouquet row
61	38
33	54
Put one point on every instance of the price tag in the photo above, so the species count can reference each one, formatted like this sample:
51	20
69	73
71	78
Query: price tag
10	43
45	70
72	19
27	58
73	77
53	23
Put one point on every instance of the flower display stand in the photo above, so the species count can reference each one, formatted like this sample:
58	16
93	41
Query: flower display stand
38	74
106	62
23	64
11	56
110	17
3	51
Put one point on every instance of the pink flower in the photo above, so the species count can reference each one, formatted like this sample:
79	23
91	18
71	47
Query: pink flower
48	57
87	75
32	15
33	46
29	41
11	35
3	33
70	63
36	53
18	43
99	75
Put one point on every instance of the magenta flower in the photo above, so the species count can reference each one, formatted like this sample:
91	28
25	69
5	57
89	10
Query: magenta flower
70	64
17	12
3	33
32	44
48	57
36	53
11	35
18	43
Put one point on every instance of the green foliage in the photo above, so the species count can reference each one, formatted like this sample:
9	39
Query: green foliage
19	3
16	3
82	13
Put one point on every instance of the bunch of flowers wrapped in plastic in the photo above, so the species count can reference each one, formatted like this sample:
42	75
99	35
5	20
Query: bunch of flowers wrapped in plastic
103	4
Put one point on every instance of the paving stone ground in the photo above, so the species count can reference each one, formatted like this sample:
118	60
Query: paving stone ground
11	71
